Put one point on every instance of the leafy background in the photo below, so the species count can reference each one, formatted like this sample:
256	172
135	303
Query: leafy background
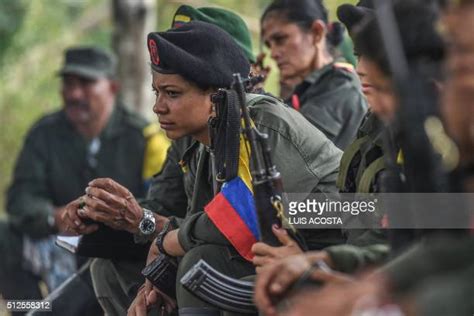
33	35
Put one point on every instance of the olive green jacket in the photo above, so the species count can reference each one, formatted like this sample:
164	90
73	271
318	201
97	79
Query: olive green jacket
55	165
365	247
433	256
307	160
332	100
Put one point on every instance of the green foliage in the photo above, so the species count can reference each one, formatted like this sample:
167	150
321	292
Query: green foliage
12	14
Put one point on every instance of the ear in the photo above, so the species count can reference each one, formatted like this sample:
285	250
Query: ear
318	29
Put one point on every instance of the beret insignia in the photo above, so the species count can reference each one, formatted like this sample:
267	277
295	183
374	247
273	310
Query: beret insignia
180	19
155	59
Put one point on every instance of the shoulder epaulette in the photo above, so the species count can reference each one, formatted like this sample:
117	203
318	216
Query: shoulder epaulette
155	151
150	130
345	66
400	158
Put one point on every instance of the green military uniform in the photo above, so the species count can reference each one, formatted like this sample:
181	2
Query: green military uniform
116	283
450	292
332	100
208	57
56	164
185	178
361	166
431	257
307	161
437	274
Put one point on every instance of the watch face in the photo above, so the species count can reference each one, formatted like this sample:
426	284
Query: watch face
147	227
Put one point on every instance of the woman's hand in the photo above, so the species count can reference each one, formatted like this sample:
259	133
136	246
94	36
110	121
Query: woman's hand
265	254
149	297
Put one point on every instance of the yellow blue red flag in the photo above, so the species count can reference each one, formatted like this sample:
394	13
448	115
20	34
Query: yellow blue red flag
233	209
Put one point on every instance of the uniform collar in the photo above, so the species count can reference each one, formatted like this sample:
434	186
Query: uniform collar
189	152
312	79
316	75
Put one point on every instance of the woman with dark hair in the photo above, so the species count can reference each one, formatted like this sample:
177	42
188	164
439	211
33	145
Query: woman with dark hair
188	65
302	42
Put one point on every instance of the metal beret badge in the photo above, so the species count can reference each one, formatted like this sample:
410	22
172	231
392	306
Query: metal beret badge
153	48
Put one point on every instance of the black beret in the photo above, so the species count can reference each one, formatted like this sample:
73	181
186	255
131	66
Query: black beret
420	39
200	52
351	15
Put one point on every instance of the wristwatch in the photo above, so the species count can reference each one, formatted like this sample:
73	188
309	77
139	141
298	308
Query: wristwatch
161	236
147	226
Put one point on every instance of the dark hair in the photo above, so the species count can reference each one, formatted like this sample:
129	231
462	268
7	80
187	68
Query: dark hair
304	13
416	22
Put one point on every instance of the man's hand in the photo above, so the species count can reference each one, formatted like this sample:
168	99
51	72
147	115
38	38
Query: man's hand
112	204
115	206
265	254
68	221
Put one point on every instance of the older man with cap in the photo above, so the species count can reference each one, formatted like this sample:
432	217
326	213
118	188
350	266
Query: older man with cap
93	135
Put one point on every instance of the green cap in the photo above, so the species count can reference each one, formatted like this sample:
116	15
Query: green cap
225	19
88	62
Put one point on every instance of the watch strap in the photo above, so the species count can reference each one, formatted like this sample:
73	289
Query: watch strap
161	236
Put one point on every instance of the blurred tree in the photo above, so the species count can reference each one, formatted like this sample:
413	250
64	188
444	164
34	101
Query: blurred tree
12	13
133	20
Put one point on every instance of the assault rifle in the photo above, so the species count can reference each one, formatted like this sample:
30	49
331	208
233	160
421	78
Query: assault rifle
204	281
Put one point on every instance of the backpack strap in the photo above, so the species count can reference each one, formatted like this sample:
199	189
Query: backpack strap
369	174
346	160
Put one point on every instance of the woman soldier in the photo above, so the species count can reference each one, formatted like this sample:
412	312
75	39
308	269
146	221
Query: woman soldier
189	64
301	41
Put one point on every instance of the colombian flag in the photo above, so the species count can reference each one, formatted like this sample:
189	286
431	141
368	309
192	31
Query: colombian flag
233	209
